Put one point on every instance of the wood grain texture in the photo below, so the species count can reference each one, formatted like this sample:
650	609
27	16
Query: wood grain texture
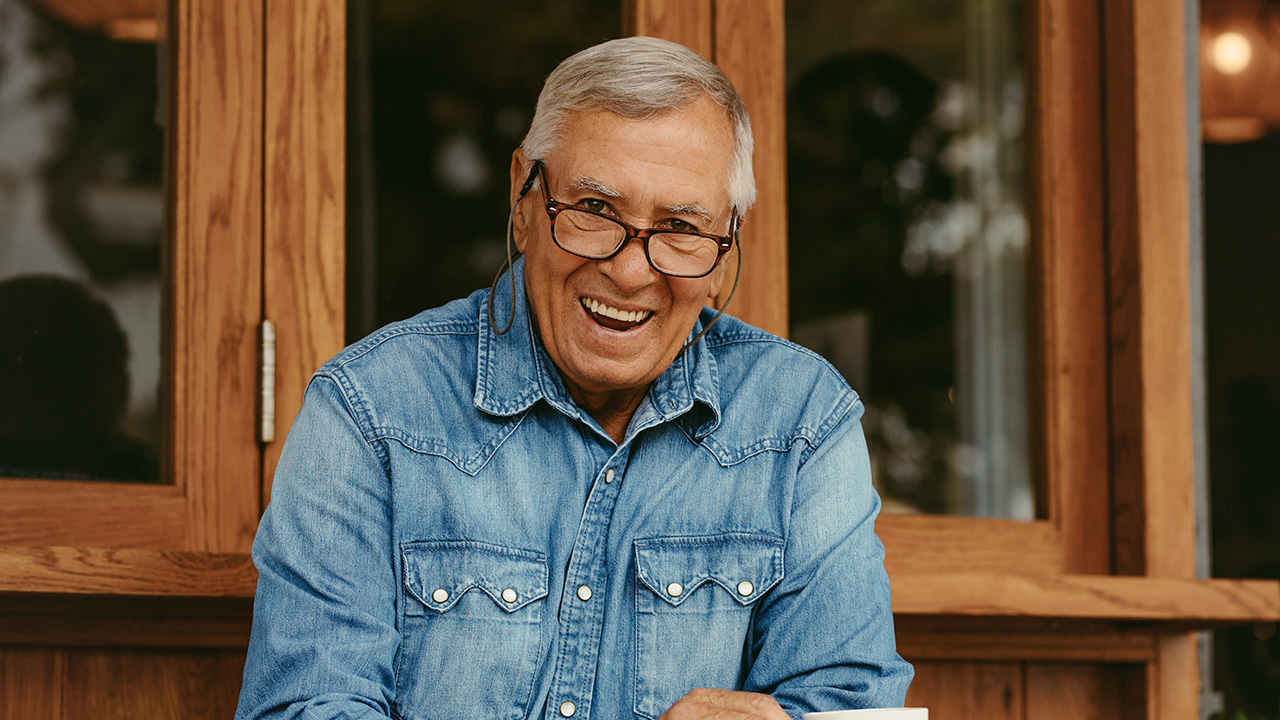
1178	601
97	620
1174	688
44	512
1164	239
30	683
1068	257
118	684
305	234
750	49
1148	237
215	268
688	22
1128	516
97	571
922	544
939	640
1074	691
968	690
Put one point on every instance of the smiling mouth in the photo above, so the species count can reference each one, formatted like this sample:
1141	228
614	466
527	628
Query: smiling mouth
613	318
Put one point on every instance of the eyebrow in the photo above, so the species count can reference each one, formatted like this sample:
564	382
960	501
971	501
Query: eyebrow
691	209
586	182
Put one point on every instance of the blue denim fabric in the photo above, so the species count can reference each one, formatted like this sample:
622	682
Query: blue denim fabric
441	501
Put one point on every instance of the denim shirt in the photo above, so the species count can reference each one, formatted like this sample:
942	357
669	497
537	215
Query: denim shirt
451	537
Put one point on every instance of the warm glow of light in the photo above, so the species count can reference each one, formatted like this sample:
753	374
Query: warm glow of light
1231	53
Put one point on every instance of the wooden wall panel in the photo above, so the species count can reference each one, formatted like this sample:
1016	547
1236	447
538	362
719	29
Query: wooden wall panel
155	685
215	268
968	690
750	49
1074	691
30	683
305	241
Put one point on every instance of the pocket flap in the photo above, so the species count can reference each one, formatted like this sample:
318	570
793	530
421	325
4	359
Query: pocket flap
746	565
439	573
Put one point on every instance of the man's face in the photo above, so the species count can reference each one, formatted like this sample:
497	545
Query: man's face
655	172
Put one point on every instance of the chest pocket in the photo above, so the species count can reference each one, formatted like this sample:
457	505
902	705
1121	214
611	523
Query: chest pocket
472	630
694	598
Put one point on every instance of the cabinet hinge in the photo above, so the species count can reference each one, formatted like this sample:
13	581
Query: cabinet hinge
267	383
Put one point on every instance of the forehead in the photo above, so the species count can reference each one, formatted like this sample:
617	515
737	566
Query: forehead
683	155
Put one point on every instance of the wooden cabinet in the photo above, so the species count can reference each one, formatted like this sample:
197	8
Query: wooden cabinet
114	597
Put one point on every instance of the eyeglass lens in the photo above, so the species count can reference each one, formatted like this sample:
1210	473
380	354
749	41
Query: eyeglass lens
594	236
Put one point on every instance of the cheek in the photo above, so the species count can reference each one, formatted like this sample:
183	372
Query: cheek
689	296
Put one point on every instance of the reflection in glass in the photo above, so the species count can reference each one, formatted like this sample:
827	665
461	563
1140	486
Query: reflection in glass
908	238
81	225
440	94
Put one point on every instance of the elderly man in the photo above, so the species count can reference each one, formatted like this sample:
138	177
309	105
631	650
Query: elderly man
574	496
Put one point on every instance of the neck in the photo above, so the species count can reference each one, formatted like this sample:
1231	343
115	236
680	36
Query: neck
612	409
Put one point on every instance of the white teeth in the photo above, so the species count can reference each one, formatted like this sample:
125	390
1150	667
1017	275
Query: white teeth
600	308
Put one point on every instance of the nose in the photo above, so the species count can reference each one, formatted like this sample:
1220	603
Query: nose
629	269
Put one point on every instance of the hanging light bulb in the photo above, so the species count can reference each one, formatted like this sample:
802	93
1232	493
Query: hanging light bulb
1239	70
1230	53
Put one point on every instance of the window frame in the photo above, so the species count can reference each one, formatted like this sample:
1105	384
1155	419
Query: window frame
211	307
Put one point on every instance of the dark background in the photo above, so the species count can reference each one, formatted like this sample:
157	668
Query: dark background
1242	345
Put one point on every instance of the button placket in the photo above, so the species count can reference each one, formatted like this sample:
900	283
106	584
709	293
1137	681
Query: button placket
582	620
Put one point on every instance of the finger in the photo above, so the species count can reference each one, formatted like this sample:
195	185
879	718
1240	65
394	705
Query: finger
706	703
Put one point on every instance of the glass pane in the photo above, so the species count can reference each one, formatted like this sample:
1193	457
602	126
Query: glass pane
81	223
908	237
440	94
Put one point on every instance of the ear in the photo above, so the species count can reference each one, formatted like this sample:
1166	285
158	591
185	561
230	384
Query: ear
519	173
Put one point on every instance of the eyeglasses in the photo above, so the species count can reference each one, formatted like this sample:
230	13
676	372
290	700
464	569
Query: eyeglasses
595	236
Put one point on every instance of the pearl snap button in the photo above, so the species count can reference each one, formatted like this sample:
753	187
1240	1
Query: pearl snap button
440	595
567	709
745	588
608	475
509	595
584	593
675	589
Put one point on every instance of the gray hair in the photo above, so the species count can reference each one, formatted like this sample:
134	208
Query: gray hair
639	77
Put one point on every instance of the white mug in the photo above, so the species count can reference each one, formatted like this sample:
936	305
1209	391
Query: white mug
871	714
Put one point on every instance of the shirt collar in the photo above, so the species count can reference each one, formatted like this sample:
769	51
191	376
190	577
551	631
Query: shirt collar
513	370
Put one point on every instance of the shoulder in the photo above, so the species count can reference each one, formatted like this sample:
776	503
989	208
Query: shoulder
775	394
430	355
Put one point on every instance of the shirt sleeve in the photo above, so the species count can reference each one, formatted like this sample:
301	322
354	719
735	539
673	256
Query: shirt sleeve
824	638
324	622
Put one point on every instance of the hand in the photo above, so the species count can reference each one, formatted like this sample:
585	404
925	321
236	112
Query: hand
707	704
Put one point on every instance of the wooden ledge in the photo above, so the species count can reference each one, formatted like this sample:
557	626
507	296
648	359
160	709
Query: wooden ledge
71	571
1181	603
